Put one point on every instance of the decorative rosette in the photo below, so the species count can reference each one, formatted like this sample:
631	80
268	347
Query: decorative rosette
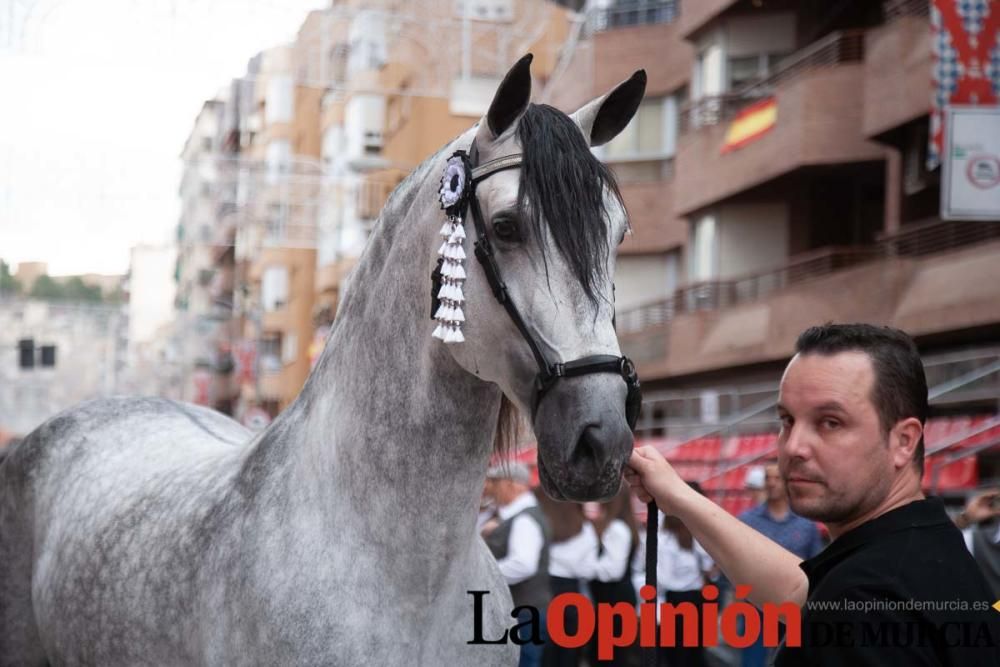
454	190
456	179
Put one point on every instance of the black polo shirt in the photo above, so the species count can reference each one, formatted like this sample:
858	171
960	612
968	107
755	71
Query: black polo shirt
901	589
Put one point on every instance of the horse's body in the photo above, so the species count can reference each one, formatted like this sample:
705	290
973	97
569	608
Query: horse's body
148	532
176	562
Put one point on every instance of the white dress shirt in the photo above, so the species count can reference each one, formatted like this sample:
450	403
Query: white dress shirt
573	558
611	564
524	546
680	569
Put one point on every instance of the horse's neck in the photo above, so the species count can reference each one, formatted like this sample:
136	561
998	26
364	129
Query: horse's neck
389	427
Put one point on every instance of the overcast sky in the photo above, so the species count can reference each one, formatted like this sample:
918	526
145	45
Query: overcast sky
97	99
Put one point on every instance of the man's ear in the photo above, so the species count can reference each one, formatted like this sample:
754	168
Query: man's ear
904	438
603	118
509	102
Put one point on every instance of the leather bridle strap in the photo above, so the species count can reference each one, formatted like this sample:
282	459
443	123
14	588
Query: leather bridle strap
549	373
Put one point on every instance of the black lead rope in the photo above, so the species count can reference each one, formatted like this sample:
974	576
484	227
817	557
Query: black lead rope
652	519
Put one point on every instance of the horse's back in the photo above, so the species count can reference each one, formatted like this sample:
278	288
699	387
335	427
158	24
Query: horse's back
86	491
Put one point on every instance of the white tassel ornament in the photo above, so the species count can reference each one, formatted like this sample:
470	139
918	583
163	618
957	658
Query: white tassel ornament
449	314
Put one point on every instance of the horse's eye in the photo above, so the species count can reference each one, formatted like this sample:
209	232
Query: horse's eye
506	230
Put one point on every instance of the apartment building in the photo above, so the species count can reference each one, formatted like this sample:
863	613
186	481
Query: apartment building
307	147
196	320
776	178
404	78
55	354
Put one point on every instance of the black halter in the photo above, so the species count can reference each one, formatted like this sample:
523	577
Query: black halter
548	373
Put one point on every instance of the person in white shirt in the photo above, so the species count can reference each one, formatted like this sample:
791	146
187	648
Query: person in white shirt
574	543
609	569
519	540
682	568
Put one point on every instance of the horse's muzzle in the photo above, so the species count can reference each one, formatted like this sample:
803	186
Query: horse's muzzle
583	438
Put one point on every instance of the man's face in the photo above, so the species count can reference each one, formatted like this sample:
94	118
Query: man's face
773	483
504	491
832	452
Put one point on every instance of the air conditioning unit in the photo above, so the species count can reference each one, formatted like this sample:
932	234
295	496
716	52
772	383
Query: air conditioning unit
364	122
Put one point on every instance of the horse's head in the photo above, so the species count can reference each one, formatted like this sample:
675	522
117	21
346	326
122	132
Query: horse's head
552	225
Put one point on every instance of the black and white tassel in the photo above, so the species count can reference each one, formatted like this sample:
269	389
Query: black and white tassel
449	315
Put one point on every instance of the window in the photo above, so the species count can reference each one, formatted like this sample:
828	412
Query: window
744	70
367	42
704	250
280	98
289	348
274	288
278	159
651	133
270	354
485	10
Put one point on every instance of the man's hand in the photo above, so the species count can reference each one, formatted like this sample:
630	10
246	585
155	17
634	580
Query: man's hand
980	507
652	478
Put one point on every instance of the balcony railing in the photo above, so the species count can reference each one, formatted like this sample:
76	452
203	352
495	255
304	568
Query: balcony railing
718	294
913	241
935	236
633	12
834	49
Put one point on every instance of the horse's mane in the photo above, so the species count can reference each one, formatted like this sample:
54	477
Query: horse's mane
564	185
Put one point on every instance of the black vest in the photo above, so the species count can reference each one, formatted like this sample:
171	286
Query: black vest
534	590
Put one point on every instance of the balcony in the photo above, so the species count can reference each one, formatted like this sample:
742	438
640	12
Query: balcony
695	15
656	47
819	121
897	67
928	279
633	13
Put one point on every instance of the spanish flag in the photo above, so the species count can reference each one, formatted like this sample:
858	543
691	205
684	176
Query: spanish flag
751	123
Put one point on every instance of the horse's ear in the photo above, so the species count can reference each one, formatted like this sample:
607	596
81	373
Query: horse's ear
603	118
510	100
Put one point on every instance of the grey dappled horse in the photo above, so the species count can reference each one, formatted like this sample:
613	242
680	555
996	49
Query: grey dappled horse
141	531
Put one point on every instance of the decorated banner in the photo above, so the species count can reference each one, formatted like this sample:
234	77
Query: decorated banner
966	47
750	124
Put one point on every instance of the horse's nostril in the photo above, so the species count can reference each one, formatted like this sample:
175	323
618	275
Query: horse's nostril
589	448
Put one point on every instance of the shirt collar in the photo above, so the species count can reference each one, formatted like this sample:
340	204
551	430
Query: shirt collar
518	505
917	514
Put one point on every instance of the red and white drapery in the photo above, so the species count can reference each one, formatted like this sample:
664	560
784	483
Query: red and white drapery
966	70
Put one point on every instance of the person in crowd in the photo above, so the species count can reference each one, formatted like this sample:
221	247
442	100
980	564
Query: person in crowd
754	482
519	540
981	530
853	403
683	567
573	542
610	565
486	518
775	519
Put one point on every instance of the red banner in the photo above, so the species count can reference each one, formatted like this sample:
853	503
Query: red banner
966	70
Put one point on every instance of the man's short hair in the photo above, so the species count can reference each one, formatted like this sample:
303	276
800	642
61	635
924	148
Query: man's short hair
900	387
